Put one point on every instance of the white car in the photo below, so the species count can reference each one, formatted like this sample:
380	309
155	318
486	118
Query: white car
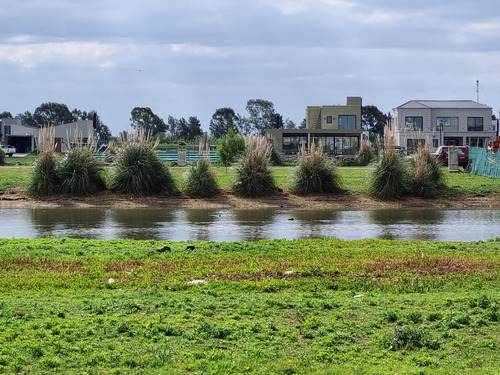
8	150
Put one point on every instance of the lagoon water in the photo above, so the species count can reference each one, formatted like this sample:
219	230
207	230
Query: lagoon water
250	225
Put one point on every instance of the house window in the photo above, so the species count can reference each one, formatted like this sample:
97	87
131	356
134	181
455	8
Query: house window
474	124
347	122
447	124
414	124
329	119
7	129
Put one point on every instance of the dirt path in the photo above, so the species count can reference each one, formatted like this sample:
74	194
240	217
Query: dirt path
17	198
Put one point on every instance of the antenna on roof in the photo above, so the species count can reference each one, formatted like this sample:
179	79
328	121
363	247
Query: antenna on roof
477	91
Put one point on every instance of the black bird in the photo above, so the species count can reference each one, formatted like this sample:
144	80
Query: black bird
190	247
163	249
291	219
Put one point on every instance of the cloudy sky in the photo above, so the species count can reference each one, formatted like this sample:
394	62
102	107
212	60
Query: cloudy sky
187	58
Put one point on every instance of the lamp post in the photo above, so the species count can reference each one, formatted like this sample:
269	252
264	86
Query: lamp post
440	130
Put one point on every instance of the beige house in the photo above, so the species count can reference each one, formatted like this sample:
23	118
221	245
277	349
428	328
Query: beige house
24	138
337	127
443	122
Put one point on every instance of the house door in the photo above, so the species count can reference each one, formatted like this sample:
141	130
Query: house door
58	143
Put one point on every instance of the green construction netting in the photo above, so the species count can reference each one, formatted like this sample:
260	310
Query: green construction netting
484	162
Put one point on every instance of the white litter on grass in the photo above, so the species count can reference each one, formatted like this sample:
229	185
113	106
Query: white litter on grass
198	282
359	295
111	281
290	272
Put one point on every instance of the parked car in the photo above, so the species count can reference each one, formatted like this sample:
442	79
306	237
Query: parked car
463	155
8	150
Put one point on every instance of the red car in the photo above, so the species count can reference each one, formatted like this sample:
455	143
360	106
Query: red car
463	154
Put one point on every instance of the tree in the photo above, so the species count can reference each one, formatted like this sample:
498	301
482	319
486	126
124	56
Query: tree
262	116
194	125
289	124
5	114
145	118
230	148
373	119
27	119
222	120
52	113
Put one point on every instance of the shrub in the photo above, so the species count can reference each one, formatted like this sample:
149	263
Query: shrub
230	148
2	157
200	180
389	178
44	180
315	174
365	154
428	177
138	170
253	176
407	337
80	172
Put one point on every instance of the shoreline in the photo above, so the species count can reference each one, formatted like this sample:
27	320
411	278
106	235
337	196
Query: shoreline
18	198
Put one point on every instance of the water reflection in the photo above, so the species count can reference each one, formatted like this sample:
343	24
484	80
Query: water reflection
250	225
77	223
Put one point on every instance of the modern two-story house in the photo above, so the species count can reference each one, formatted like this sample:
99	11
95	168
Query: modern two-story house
440	122
337	127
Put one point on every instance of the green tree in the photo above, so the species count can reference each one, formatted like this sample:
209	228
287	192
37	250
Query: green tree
52	113
194	126
222	120
5	114
373	119
230	148
145	118
262	116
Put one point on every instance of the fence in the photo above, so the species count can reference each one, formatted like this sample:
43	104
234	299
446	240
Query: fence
172	156
484	162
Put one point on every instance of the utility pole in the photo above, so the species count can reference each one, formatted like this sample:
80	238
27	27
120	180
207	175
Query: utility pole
477	91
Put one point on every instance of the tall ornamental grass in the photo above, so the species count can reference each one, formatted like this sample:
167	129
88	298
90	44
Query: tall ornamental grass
316	173
200	179
366	153
45	180
253	176
428	177
80	172
138	170
2	157
389	178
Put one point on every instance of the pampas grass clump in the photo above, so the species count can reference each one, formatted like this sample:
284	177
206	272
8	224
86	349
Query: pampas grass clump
253	175
389	178
138	170
45	180
80	172
316	173
366	153
200	179
428	177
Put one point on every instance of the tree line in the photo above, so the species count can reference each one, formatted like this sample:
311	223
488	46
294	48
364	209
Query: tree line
261	115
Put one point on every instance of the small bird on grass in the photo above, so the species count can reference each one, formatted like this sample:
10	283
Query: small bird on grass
163	249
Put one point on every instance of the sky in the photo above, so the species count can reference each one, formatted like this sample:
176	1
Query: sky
191	57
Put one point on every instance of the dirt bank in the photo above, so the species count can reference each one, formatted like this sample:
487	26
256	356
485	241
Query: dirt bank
18	198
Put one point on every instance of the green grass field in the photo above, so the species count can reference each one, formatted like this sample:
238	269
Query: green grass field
354	178
321	306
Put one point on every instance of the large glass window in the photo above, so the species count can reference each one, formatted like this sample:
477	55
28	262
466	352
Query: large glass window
474	124
414	124
293	143
447	124
347	122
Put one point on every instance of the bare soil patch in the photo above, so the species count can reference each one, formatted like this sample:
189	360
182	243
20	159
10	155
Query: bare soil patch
18	198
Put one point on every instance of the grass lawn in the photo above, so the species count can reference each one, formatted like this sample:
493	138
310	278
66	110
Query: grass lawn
354	178
321	306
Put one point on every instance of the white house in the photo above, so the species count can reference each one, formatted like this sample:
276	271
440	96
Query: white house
443	122
24	138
